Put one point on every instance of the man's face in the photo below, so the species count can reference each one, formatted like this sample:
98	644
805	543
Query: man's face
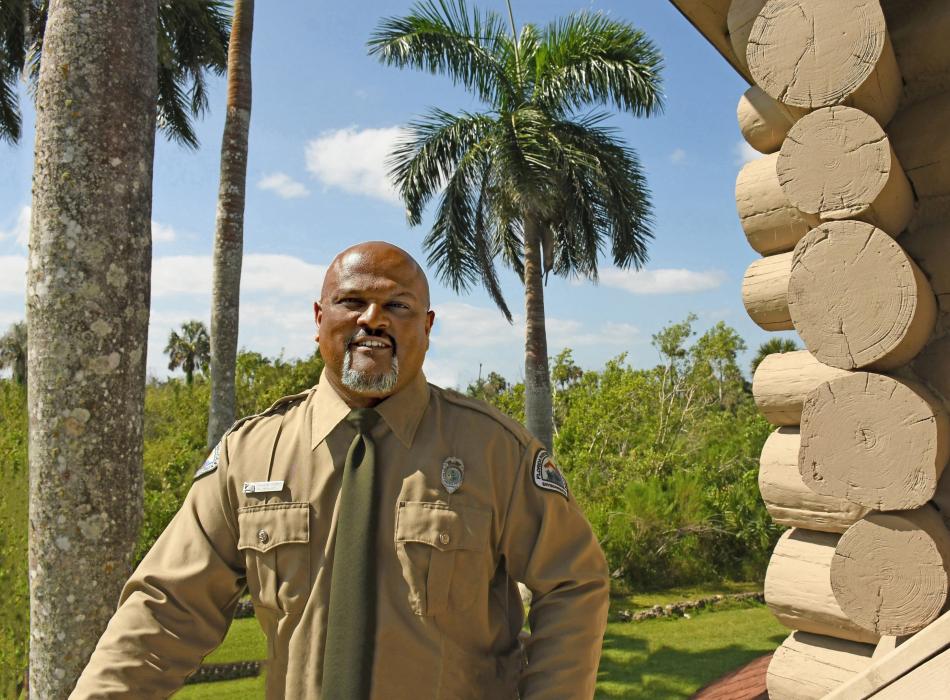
373	322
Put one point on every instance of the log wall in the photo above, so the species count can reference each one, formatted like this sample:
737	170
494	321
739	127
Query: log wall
850	208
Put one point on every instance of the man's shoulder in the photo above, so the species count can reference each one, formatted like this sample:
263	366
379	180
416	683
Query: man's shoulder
271	416
490	416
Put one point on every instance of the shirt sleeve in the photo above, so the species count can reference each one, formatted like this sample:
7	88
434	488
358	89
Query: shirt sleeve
177	605
550	547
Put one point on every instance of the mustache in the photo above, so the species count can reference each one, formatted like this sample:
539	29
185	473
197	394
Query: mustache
362	333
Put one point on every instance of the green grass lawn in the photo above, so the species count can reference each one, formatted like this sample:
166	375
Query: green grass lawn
655	659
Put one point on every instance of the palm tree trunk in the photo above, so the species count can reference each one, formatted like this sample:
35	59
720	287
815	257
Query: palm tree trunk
229	227
537	379
88	288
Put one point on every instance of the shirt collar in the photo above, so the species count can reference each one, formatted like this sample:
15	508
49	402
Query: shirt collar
402	411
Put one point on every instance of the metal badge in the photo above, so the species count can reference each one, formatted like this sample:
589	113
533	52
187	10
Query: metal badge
453	470
263	486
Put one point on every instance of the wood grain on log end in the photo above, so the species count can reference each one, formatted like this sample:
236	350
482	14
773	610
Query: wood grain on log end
788	499
741	17
875	440
890	571
798	587
771	224
837	163
814	53
783	380
765	292
857	299
764	121
809	666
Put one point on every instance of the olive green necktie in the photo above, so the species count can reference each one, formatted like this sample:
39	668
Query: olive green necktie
351	628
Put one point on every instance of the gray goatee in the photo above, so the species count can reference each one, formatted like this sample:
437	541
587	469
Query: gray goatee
360	381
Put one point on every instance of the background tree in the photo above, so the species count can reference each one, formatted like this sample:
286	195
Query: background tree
87	297
192	38
772	345
13	351
229	225
533	179
190	349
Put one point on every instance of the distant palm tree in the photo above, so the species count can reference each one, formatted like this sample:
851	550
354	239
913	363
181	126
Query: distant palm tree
13	351
531	179
190	350
228	254
770	346
192	39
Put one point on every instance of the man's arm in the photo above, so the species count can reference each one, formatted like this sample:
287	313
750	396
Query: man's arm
177	605
549	546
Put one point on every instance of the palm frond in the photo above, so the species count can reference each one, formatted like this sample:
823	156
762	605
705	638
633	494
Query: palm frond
442	36
430	152
588	59
486	246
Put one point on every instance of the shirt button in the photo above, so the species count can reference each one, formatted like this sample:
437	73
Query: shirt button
444	537
263	536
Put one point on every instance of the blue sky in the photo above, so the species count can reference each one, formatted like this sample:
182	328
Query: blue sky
324	117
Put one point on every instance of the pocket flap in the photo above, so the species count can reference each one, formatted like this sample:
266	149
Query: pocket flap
442	526
266	526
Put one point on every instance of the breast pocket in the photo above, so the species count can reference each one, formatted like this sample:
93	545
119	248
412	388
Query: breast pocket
444	553
275	539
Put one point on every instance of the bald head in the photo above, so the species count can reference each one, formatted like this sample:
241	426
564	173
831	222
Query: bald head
373	322
376	257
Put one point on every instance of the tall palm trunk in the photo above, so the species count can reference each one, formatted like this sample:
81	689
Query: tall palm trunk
537	379
88	288
229	227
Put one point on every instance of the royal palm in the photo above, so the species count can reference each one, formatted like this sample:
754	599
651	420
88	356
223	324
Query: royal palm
536	179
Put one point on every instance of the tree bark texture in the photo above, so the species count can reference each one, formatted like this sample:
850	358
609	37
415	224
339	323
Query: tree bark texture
88	289
537	378
229	224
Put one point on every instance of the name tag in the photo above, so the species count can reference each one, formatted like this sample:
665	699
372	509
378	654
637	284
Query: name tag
263	486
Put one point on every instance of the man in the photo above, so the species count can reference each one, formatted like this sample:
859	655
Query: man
380	524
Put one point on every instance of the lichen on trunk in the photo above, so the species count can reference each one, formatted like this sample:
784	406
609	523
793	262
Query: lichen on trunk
88	288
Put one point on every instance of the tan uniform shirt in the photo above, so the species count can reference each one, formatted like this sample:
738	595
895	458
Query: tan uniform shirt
448	607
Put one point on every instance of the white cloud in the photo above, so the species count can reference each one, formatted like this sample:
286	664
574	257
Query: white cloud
13	274
162	233
354	160
744	153
677	156
283	185
661	281
280	274
20	231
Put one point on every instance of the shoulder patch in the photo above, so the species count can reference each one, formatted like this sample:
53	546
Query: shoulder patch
210	464
546	475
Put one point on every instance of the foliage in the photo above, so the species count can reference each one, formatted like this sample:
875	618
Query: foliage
772	345
192	39
14	588
13	351
190	350
664	460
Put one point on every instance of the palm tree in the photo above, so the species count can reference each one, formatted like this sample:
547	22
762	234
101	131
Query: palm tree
532	179
770	346
189	350
192	39
229	225
13	351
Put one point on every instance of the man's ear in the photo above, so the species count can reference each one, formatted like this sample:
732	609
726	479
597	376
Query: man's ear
430	319
317	317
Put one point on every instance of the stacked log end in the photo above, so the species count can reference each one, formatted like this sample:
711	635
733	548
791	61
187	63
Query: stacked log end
889	572
813	53
874	440
849	208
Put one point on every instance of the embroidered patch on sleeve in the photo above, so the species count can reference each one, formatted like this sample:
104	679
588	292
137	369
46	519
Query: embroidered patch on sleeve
546	475
210	464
